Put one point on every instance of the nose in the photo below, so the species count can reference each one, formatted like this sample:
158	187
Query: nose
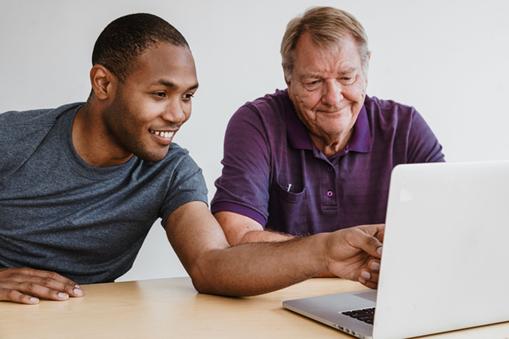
332	93
174	113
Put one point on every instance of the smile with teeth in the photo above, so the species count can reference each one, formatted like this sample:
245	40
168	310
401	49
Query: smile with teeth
163	134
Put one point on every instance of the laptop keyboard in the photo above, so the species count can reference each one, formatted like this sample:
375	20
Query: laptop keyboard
367	315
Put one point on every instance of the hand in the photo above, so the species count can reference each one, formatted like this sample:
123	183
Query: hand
354	253
27	286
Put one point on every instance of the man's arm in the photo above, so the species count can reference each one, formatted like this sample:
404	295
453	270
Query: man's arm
256	268
240	229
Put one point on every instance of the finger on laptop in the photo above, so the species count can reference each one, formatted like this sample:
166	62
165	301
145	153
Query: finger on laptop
374	265
368	278
365	239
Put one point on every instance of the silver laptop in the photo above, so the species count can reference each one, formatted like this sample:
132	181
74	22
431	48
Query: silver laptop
445	257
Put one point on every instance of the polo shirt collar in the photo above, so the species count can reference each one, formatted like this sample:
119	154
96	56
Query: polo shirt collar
360	141
297	132
299	138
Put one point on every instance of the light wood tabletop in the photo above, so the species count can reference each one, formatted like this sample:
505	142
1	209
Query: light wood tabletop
171	308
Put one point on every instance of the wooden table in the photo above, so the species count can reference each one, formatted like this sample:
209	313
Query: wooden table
171	308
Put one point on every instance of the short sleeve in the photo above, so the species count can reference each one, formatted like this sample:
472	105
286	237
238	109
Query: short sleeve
187	184
423	145
243	187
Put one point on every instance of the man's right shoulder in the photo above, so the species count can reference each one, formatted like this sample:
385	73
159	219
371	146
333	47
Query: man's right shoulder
33	119
26	118
270	110
22	131
271	104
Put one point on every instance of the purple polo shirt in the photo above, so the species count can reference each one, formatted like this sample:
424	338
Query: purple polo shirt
274	174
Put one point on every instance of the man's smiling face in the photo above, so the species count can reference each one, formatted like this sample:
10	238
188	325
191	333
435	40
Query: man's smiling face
153	101
327	87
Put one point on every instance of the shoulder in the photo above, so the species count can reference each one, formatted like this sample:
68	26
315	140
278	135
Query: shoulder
176	152
27	126
37	118
405	129
276	102
391	115
22	131
271	107
169	175
177	159
388	109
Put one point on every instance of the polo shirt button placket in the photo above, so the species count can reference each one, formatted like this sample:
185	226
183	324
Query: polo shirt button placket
329	204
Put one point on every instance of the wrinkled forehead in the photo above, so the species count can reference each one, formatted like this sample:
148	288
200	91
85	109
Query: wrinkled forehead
330	43
345	47
341	54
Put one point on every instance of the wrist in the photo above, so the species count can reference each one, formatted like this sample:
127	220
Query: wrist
319	253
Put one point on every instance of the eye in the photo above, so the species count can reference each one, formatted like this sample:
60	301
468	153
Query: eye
347	80
187	97
160	94
312	85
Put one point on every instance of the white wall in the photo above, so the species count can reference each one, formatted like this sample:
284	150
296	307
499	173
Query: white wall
449	59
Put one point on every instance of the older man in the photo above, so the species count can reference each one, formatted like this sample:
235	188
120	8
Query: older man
316	157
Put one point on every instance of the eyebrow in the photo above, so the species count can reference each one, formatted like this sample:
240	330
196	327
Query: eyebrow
318	75
172	85
349	70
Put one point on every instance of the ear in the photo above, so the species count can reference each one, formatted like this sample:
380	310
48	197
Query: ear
365	66
286	75
103	82
287	81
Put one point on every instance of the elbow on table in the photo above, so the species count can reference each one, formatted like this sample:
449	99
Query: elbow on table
206	279
209	277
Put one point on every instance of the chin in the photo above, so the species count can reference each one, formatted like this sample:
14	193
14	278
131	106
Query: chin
152	157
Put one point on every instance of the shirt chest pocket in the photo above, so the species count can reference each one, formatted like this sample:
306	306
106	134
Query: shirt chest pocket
288	209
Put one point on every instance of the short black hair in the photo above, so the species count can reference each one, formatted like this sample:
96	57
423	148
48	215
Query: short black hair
128	36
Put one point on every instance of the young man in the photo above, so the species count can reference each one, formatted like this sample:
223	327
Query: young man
80	185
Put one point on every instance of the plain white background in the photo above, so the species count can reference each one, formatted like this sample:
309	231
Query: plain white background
449	59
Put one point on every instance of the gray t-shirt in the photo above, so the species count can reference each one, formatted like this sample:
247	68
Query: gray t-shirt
87	223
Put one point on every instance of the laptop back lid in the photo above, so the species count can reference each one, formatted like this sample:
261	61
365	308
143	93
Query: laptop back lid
446	249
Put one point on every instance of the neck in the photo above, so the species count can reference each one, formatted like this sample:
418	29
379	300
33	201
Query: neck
331	146
92	141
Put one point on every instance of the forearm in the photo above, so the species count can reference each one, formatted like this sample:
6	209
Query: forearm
259	236
264	236
262	267
254	268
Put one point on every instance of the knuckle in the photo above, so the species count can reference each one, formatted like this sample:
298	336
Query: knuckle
54	276
356	237
12	295
30	286
46	281
371	241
